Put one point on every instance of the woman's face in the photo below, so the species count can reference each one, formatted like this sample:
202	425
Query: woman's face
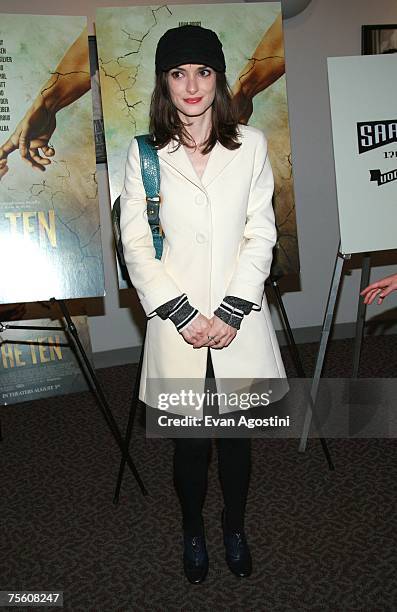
192	88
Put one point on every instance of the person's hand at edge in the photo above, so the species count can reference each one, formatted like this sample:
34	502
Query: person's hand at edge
380	289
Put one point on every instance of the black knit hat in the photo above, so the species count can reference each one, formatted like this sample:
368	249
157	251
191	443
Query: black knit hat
189	44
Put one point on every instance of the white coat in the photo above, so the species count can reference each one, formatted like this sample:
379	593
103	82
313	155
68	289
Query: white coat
219	233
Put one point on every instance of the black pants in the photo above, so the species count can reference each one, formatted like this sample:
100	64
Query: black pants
191	459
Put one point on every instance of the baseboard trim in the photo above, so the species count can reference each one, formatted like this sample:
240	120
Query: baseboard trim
108	359
302	335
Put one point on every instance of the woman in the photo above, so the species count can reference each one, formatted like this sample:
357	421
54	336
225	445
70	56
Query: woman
219	232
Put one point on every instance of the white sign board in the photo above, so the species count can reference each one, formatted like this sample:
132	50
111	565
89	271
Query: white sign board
363	97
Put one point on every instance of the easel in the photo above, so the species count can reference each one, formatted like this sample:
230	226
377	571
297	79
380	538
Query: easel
90	375
326	328
273	282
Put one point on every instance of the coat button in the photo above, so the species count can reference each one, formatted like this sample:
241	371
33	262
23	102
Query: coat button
200	199
201	238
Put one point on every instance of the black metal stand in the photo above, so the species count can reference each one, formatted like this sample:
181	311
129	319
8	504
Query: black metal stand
130	424
326	329
290	336
361	310
93	382
297	360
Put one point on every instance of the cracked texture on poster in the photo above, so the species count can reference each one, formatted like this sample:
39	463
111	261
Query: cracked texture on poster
124	71
285	255
127	39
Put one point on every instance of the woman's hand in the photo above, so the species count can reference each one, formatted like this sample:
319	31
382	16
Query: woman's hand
217	335
197	330
379	289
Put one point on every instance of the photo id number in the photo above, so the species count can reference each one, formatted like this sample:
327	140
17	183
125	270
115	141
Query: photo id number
31	598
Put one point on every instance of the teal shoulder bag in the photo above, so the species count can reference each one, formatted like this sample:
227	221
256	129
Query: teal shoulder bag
150	171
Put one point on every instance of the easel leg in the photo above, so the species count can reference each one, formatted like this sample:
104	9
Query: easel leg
128	433
361	309
97	390
329	315
291	339
297	359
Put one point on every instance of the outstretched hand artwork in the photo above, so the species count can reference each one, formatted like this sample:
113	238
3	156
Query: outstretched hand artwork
49	214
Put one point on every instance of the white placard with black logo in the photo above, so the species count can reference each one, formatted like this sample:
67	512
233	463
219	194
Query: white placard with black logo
363	97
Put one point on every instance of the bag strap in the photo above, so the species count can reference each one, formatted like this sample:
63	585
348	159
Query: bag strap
150	171
150	167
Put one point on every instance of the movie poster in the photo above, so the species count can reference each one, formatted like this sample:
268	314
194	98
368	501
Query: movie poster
39	363
50	242
127	39
365	150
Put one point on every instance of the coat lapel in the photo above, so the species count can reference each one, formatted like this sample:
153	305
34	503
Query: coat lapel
178	159
219	158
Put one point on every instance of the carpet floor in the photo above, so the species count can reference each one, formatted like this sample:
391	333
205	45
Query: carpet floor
321	540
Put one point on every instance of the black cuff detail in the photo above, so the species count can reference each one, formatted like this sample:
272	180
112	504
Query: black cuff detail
179	311
236	302
232	310
166	309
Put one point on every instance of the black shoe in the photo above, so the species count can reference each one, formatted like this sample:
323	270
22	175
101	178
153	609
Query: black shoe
195	558
238	556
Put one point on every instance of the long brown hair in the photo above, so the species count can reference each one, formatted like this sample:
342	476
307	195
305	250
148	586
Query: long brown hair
166	124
